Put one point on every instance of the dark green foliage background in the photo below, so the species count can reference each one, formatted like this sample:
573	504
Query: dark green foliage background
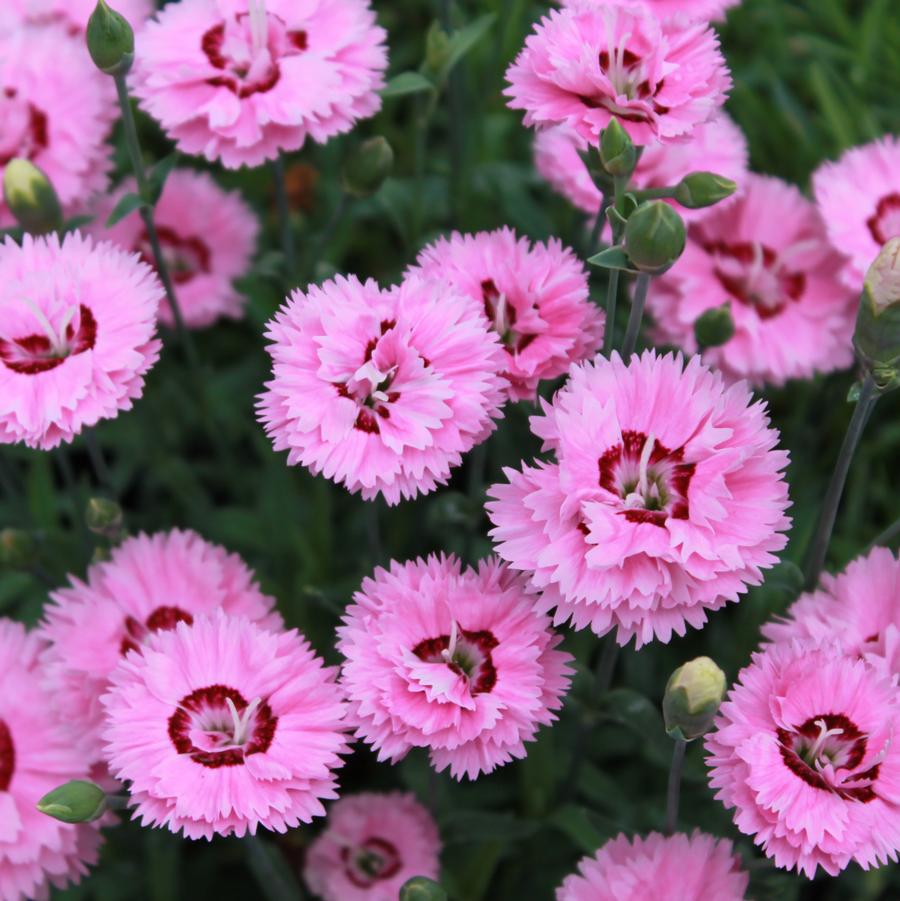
812	77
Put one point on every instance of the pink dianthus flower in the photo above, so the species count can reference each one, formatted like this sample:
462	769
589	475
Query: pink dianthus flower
695	9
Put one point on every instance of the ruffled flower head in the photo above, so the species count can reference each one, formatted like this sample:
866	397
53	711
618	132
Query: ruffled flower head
36	851
371	845
805	750
77	326
713	10
452	660
73	15
665	501
150	584
239	81
588	63
223	726
765	254
535	297
381	391
207	236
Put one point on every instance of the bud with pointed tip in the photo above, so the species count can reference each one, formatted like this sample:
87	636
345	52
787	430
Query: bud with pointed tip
31	198
437	51
654	237
74	802
618	155
110	40
693	695
18	549
877	335
715	327
103	517
700	189
421	888
367	167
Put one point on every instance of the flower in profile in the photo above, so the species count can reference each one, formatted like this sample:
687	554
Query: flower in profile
588	63
207	236
535	298
72	15
805	752
150	584
382	391
36	851
713	10
692	867
222	726
452	660
230	79
766	254
666	500
372	843
76	336
859	199
716	146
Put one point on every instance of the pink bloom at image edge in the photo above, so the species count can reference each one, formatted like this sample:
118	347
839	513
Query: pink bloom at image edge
713	10
73	15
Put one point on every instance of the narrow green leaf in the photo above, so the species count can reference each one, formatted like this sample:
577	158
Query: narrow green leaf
156	180
406	83
462	41
611	258
127	204
585	828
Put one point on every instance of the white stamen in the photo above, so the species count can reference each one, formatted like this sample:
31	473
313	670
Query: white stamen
645	460
501	323
450	650
824	734
259	29
241	721
57	341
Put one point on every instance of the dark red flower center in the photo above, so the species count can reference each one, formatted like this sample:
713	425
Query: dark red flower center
626	73
754	275
7	757
42	351
24	132
884	223
370	862
216	727
160	620
184	256
466	653
826	752
502	316
650	481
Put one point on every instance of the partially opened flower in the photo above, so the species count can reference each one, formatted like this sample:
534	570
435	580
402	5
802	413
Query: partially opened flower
239	81
452	660
805	751
588	63
667	498
77	327
150	584
695	9
535	298
73	15
382	391
766	254
223	726
207	236
36	851
371	845
859	199
679	867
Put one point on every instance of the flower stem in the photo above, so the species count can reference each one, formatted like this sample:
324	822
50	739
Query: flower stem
284	215
818	547
612	295
606	665
885	538
275	880
327	233
674	791
642	283
98	461
9	479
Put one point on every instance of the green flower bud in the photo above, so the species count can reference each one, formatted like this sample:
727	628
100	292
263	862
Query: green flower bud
437	51
18	549
31	198
654	237
715	327
110	40
618	155
877	336
103	517
693	695
74	802
421	888
367	167
700	189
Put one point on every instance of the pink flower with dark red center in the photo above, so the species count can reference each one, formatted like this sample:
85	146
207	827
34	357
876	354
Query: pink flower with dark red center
717	146
534	297
452	660
223	726
666	499
679	867
73	15
588	63
36	851
696	9
371	845
77	336
381	391
239	81
859	199
207	236
805	752
766	254
150	584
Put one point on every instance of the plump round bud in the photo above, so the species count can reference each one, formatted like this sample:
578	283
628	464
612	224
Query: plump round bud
18	549
31	198
421	888
74	802
693	695
437	51
700	189
110	40
367	167
877	335
103	517
715	327
618	155
654	237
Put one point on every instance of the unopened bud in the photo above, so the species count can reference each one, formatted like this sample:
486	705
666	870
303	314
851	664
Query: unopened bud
700	189
877	335
74	802
367	167
421	888
18	549
437	51
103	517
618	155
110	40
31	198
693	695
715	327
654	237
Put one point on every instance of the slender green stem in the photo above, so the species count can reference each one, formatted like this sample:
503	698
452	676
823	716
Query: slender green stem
284	215
273	876
673	794
606	665
458	119
597	230
9	480
612	296
818	547
420	150
654	194
327	233
642	283
885	538
98	461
